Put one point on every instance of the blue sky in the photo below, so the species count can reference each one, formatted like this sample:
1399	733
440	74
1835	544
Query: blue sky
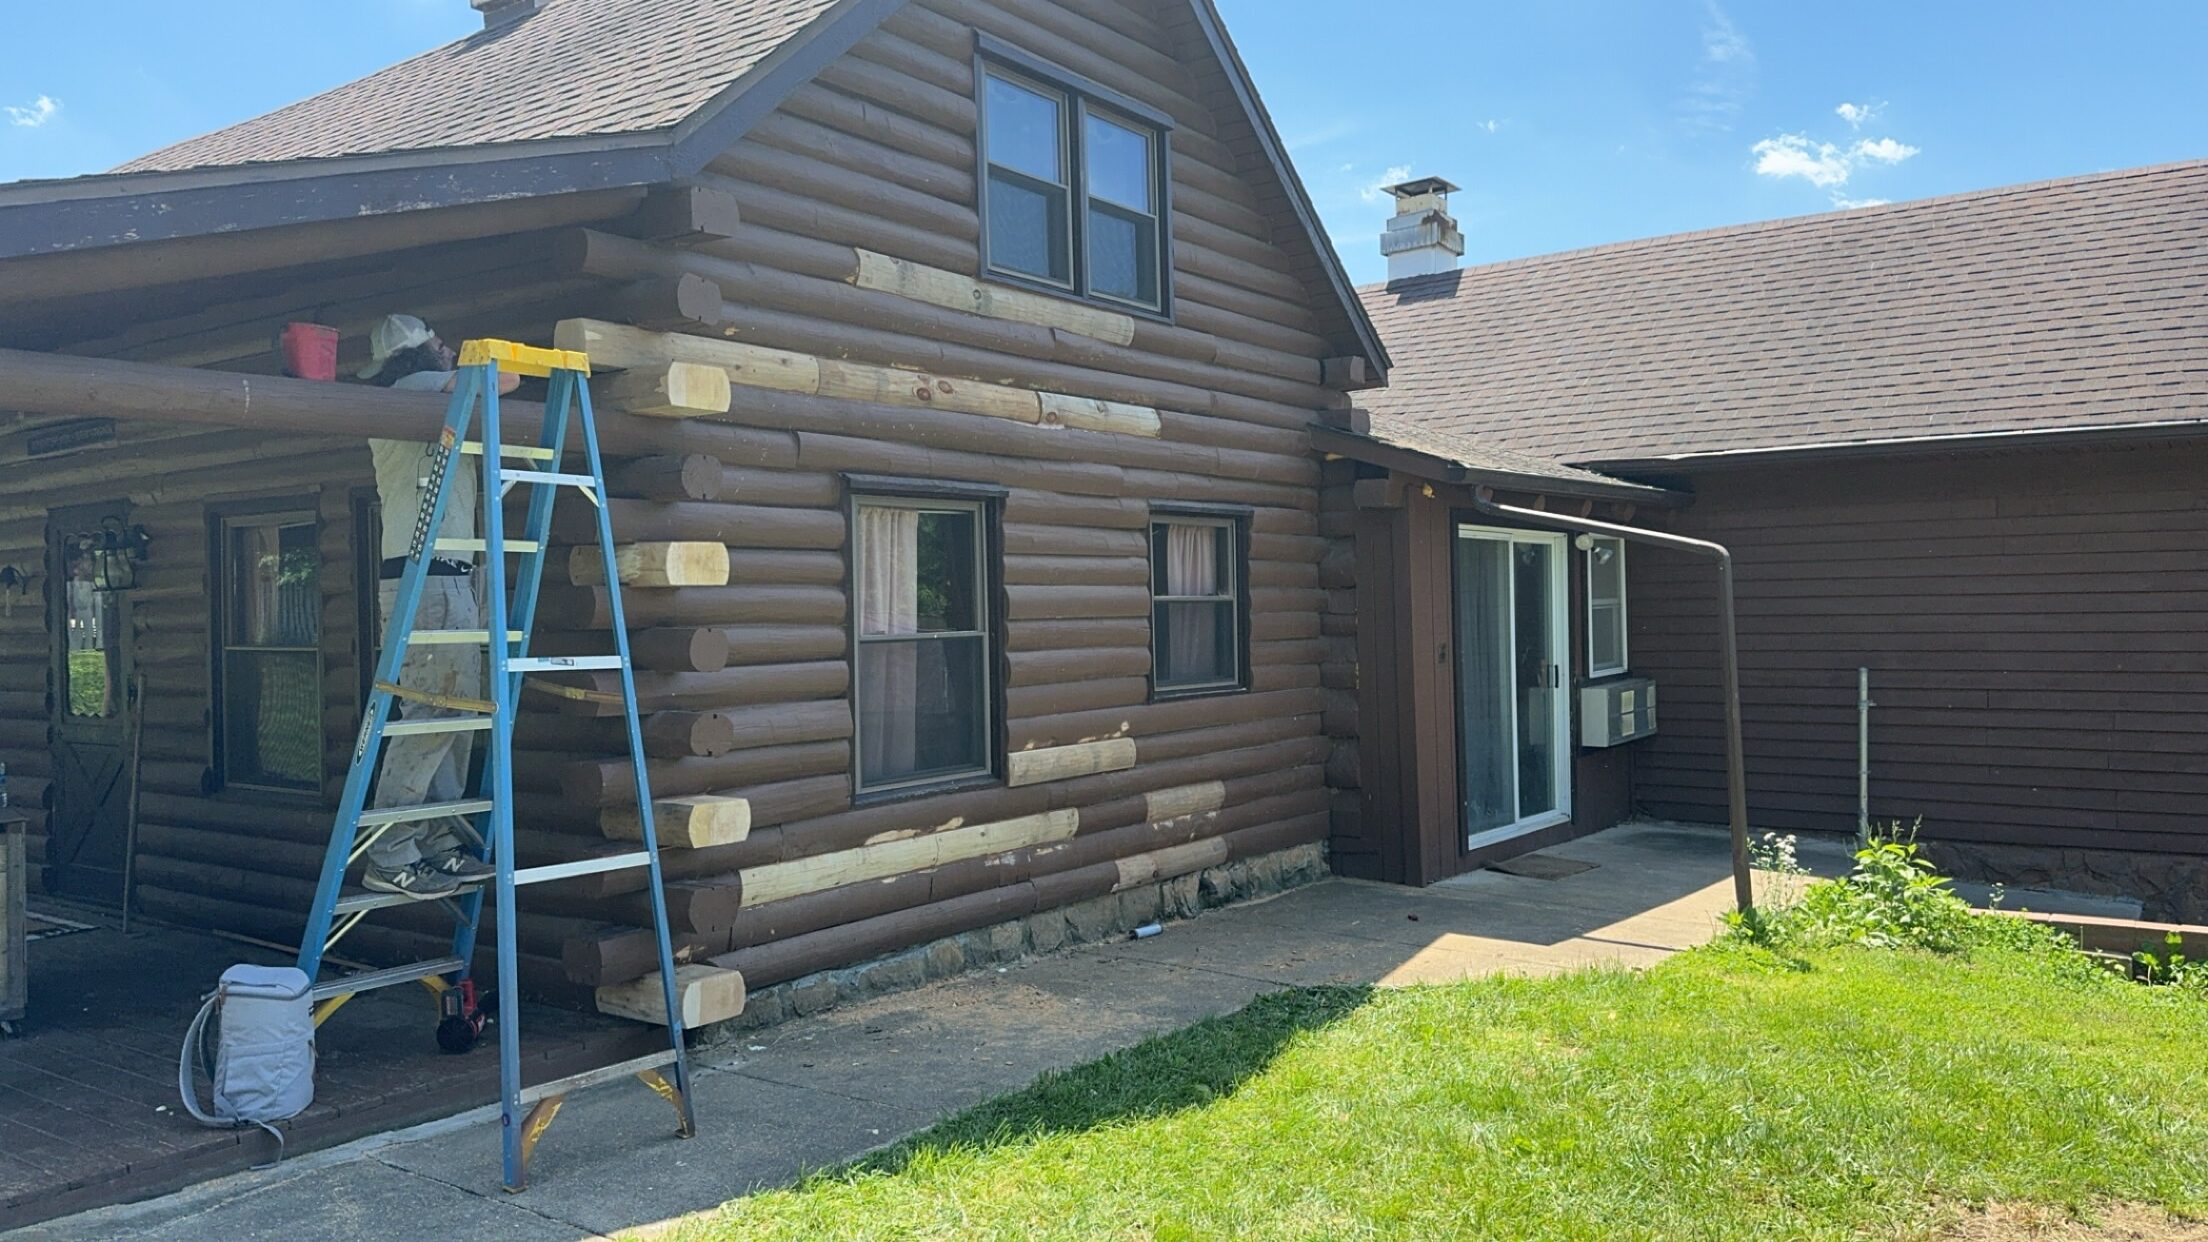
1568	122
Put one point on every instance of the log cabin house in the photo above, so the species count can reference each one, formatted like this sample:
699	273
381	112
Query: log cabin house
1960	442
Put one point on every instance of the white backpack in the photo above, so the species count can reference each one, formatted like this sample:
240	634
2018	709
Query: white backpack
264	1062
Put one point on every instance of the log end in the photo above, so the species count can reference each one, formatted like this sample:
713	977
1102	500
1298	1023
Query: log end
703	994
683	823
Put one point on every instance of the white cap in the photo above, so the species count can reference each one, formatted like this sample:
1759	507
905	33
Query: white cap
396	334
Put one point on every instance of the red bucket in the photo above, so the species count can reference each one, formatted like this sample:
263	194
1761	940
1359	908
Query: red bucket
310	351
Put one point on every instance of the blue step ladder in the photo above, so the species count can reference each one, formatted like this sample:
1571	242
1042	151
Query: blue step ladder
524	1112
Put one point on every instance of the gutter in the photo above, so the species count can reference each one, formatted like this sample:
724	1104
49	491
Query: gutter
1736	767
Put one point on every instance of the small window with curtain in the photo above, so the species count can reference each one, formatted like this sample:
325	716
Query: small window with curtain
923	685
1074	183
1197	608
269	687
1605	605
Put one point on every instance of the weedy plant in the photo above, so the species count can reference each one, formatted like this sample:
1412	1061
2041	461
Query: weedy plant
2171	968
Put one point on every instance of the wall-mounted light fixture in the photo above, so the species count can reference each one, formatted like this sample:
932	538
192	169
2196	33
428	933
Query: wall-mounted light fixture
116	550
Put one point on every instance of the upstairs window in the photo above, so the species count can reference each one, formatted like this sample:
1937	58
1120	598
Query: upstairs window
1605	605
1197	604
1074	184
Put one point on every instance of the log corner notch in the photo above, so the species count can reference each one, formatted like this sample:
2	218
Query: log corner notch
653	565
683	823
1060	763
704	993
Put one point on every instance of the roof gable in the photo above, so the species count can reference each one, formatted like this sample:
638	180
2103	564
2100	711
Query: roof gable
2057	306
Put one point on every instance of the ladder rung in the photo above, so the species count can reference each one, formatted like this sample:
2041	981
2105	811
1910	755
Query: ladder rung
460	638
432	810
368	899
562	664
369	981
524	452
586	866
442	724
591	1078
546	476
523	546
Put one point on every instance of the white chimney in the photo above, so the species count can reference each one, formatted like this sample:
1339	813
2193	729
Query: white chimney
1422	239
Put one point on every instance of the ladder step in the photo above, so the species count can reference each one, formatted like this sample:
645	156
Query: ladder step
432	810
561	664
547	477
360	900
586	866
524	546
460	638
591	1078
443	724
369	981
523	452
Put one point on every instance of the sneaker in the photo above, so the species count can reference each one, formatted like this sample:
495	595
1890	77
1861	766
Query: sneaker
419	882
462	866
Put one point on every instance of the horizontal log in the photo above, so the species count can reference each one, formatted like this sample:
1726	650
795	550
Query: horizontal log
696	822
778	881
667	735
671	390
1058	698
612	782
781	487
1074	603
704	521
703	994
730	688
784	644
1036	767
672	649
1048	637
586	608
1062	665
667	564
953	291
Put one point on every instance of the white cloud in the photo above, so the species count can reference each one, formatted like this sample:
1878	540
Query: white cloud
1792	155
1723	78
1488	126
1376	192
1722	42
1884	150
1843	202
37	114
1857	115
1332	132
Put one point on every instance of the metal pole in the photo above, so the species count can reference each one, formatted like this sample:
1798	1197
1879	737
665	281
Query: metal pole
1863	757
1736	763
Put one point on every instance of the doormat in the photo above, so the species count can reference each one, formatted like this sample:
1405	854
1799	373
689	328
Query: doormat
37	927
1541	866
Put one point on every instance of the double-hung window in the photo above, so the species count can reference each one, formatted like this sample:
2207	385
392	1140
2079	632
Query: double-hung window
1605	605
269	614
924	684
1198	607
1074	184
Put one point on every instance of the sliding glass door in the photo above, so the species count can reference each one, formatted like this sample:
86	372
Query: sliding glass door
1512	705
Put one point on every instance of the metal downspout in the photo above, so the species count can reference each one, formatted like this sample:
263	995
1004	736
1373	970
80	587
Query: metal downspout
1736	766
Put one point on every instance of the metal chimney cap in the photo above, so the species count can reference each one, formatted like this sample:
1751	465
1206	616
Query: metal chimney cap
1422	186
501	13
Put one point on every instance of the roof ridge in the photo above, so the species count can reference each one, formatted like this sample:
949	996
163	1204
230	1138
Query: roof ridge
1784	223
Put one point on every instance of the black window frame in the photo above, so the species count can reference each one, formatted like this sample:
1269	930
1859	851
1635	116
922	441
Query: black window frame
290	510
987	501
1235	519
1081	97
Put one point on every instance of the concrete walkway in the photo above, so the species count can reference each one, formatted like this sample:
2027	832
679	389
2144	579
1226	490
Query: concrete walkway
819	1091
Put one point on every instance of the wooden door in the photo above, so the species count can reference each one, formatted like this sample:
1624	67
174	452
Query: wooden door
88	836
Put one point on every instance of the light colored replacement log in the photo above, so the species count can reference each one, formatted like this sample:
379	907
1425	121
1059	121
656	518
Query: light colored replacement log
704	993
954	291
693	823
1165	804
653	565
676	390
882	858
1059	763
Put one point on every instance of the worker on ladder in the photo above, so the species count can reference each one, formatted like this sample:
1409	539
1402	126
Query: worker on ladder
435	858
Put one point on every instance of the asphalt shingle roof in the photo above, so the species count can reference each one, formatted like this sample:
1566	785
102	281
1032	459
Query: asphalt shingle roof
1479	456
2055	306
575	69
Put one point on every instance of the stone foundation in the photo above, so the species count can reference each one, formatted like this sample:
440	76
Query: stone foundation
2172	888
1047	931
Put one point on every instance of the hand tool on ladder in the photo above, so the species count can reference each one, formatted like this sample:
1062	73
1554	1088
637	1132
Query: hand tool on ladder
338	907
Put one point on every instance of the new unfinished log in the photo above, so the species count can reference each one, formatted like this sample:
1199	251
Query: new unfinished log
702	994
1036	767
672	390
653	565
958	292
778	881
692	823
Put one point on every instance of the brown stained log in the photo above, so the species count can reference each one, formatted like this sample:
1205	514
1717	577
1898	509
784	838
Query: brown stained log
784	644
729	688
1242	735
562	606
1022	702
787	724
664	564
869	79
898	131
685	215
611	782
672	390
794	134
1037	767
693	823
1023	540
1045	637
783	802
1060	667
692	476
1074	603
667	735
855	942
703	994
835	223
671	649
807	174
1076	571
748	566
711	522
1029	506
841	452
780	487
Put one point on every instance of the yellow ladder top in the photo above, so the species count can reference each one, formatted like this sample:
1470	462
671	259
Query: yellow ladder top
519	359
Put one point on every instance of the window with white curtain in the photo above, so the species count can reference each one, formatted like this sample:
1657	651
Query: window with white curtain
1196	581
924	661
270	688
1605	605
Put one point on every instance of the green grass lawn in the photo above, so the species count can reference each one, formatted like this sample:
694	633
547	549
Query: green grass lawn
1729	1093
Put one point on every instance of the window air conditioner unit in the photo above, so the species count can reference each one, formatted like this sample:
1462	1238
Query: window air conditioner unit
1617	711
